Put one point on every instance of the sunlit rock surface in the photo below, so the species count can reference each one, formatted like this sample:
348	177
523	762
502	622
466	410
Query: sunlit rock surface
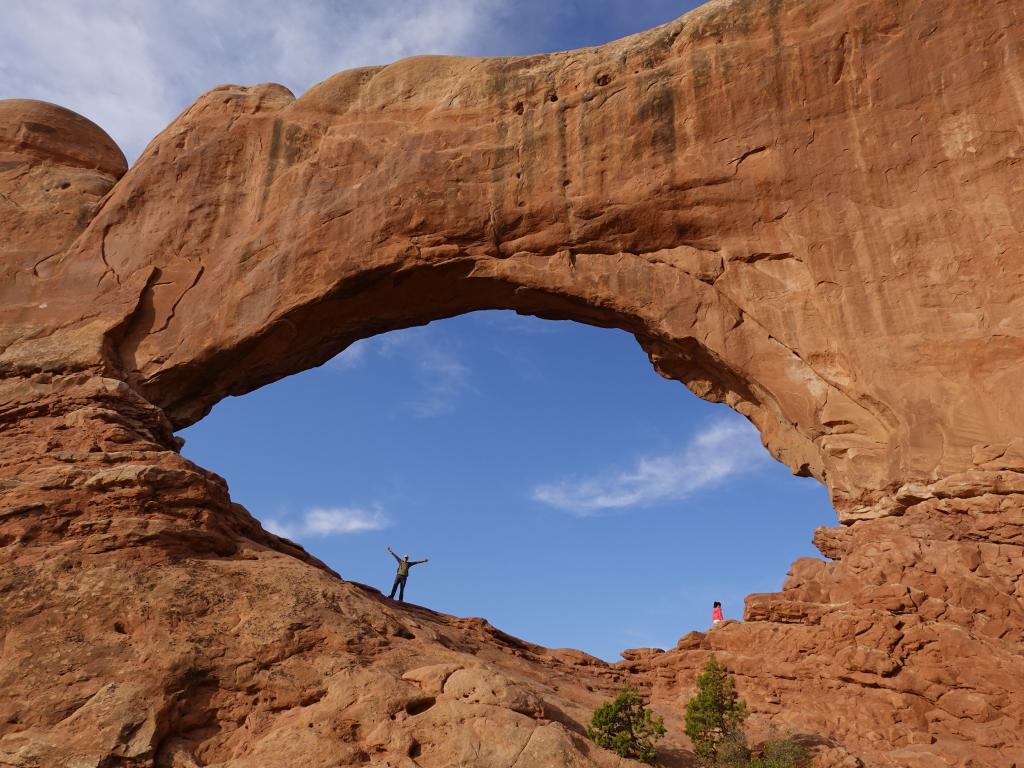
805	209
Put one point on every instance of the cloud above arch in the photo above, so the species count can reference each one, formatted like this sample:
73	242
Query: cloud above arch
131	67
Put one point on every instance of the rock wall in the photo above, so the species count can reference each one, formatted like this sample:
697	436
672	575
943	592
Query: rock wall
804	209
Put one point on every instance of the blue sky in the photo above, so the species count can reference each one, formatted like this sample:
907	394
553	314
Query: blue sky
560	488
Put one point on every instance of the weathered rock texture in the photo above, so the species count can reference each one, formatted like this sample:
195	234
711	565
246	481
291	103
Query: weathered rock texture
806	209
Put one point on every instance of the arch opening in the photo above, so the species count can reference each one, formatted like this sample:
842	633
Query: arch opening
559	489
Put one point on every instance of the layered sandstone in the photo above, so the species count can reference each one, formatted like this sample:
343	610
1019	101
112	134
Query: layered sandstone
804	209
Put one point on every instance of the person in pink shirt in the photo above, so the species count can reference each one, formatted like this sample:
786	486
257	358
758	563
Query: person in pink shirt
716	614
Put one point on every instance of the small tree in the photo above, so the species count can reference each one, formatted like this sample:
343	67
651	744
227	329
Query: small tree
715	715
627	727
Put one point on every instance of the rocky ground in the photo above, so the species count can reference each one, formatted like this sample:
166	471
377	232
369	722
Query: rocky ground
150	621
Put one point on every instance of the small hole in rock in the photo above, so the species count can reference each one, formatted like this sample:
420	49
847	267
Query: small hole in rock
419	706
553	97
603	79
415	750
119	628
518	108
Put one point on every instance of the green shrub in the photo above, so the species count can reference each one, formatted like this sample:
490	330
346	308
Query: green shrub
626	727
715	715
781	752
732	752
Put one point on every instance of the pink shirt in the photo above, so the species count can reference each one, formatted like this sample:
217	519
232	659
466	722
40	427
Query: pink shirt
716	614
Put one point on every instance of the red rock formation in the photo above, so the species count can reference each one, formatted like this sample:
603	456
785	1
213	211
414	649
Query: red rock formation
800	208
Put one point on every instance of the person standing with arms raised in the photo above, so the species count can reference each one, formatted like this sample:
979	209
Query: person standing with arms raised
404	564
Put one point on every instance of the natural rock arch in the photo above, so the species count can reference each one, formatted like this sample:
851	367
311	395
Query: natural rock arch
801	208
646	184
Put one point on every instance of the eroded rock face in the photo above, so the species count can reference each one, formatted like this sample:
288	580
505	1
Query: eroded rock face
804	209
55	168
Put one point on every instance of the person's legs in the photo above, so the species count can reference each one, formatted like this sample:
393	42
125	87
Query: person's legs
398	580
401	591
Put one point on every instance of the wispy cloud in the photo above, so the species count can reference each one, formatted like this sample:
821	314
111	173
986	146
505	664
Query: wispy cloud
439	377
329	521
446	379
131	67
353	356
723	450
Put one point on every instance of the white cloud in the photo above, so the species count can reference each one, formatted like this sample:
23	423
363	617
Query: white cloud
132	67
439	376
724	450
330	521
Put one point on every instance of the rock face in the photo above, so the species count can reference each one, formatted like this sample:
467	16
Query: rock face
804	209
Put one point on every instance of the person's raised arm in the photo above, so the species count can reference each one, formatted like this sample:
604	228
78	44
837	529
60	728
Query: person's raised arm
394	555
418	562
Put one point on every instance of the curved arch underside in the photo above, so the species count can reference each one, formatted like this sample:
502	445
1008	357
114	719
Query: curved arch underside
806	210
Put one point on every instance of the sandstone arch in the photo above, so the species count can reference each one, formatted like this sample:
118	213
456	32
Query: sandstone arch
256	223
804	209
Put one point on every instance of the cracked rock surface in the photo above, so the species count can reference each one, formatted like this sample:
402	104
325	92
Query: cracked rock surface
807	210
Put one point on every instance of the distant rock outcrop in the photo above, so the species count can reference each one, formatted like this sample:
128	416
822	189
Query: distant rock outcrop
806	209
